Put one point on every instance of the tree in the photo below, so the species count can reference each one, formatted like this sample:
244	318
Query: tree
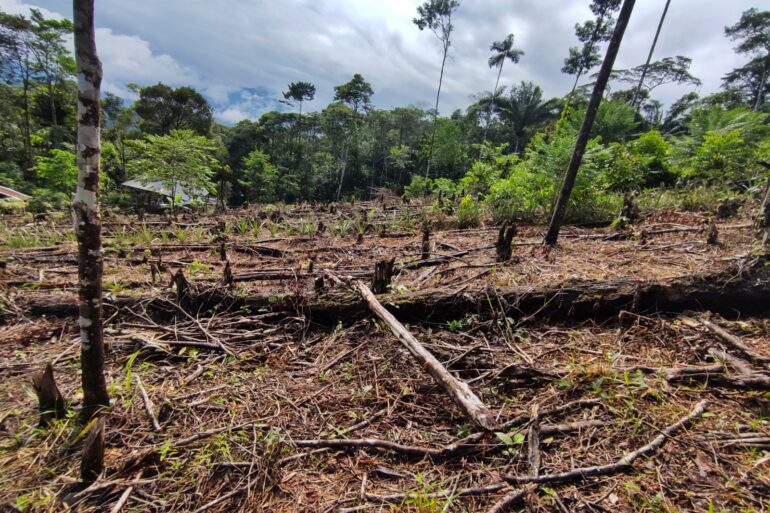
260	180
300	92
436	15
649	55
163	109
585	129
181	161
591	34
357	95
750	80
525	111
52	60
17	66
752	32
504	50
670	70
86	211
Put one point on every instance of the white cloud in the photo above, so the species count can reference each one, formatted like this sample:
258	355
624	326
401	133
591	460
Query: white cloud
225	46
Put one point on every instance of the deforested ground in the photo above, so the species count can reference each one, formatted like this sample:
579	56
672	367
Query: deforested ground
625	369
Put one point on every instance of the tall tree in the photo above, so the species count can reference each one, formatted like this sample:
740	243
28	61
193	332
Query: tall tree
753	35
436	15
649	55
163	109
300	92
585	130
17	61
591	34
648	76
503	50
52	60
85	207
357	95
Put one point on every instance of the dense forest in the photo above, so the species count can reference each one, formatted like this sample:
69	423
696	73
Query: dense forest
506	150
336	307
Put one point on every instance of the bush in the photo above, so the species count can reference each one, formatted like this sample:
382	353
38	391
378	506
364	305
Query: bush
652	152
468	214
44	200
417	187
620	169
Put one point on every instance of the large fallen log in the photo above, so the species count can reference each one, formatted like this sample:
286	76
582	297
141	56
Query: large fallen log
743	287
462	395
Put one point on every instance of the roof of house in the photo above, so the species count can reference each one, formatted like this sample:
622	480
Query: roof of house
185	194
7	192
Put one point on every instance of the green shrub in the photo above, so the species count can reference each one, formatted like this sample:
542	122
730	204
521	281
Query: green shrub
45	200
653	152
468	214
417	187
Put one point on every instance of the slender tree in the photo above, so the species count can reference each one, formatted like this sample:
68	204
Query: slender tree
357	95
436	15
753	33
585	130
504	50
649	56
591	34
86	210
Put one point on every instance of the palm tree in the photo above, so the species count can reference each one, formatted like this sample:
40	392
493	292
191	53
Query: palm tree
525	111
503	50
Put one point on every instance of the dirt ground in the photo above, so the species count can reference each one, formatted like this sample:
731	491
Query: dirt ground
272	411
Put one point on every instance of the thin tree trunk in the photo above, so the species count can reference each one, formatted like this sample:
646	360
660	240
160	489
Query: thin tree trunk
435	119
761	90
649	56
585	130
494	92
86	211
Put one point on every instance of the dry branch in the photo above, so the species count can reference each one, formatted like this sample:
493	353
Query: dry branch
622	465
459	391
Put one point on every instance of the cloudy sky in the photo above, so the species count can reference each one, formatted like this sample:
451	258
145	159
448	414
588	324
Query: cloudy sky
242	53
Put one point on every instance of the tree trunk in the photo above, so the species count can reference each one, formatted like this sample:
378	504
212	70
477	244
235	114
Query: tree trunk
762	82
435	118
585	130
86	211
649	56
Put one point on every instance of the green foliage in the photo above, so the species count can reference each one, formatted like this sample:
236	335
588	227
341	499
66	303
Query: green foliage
620	170
57	171
652	152
260	178
181	160
44	200
468	214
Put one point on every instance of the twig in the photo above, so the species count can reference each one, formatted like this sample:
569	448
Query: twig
148	406
622	465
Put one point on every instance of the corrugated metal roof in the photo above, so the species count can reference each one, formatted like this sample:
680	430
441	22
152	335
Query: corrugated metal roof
11	194
158	187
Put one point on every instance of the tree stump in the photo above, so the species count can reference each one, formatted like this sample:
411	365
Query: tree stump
51	402
227	275
629	212
503	246
92	462
183	291
383	273
222	251
425	241
712	236
318	284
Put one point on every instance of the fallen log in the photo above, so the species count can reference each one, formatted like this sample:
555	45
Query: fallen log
741	287
459	391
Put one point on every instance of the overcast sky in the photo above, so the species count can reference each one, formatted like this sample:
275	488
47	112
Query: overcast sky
242	53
